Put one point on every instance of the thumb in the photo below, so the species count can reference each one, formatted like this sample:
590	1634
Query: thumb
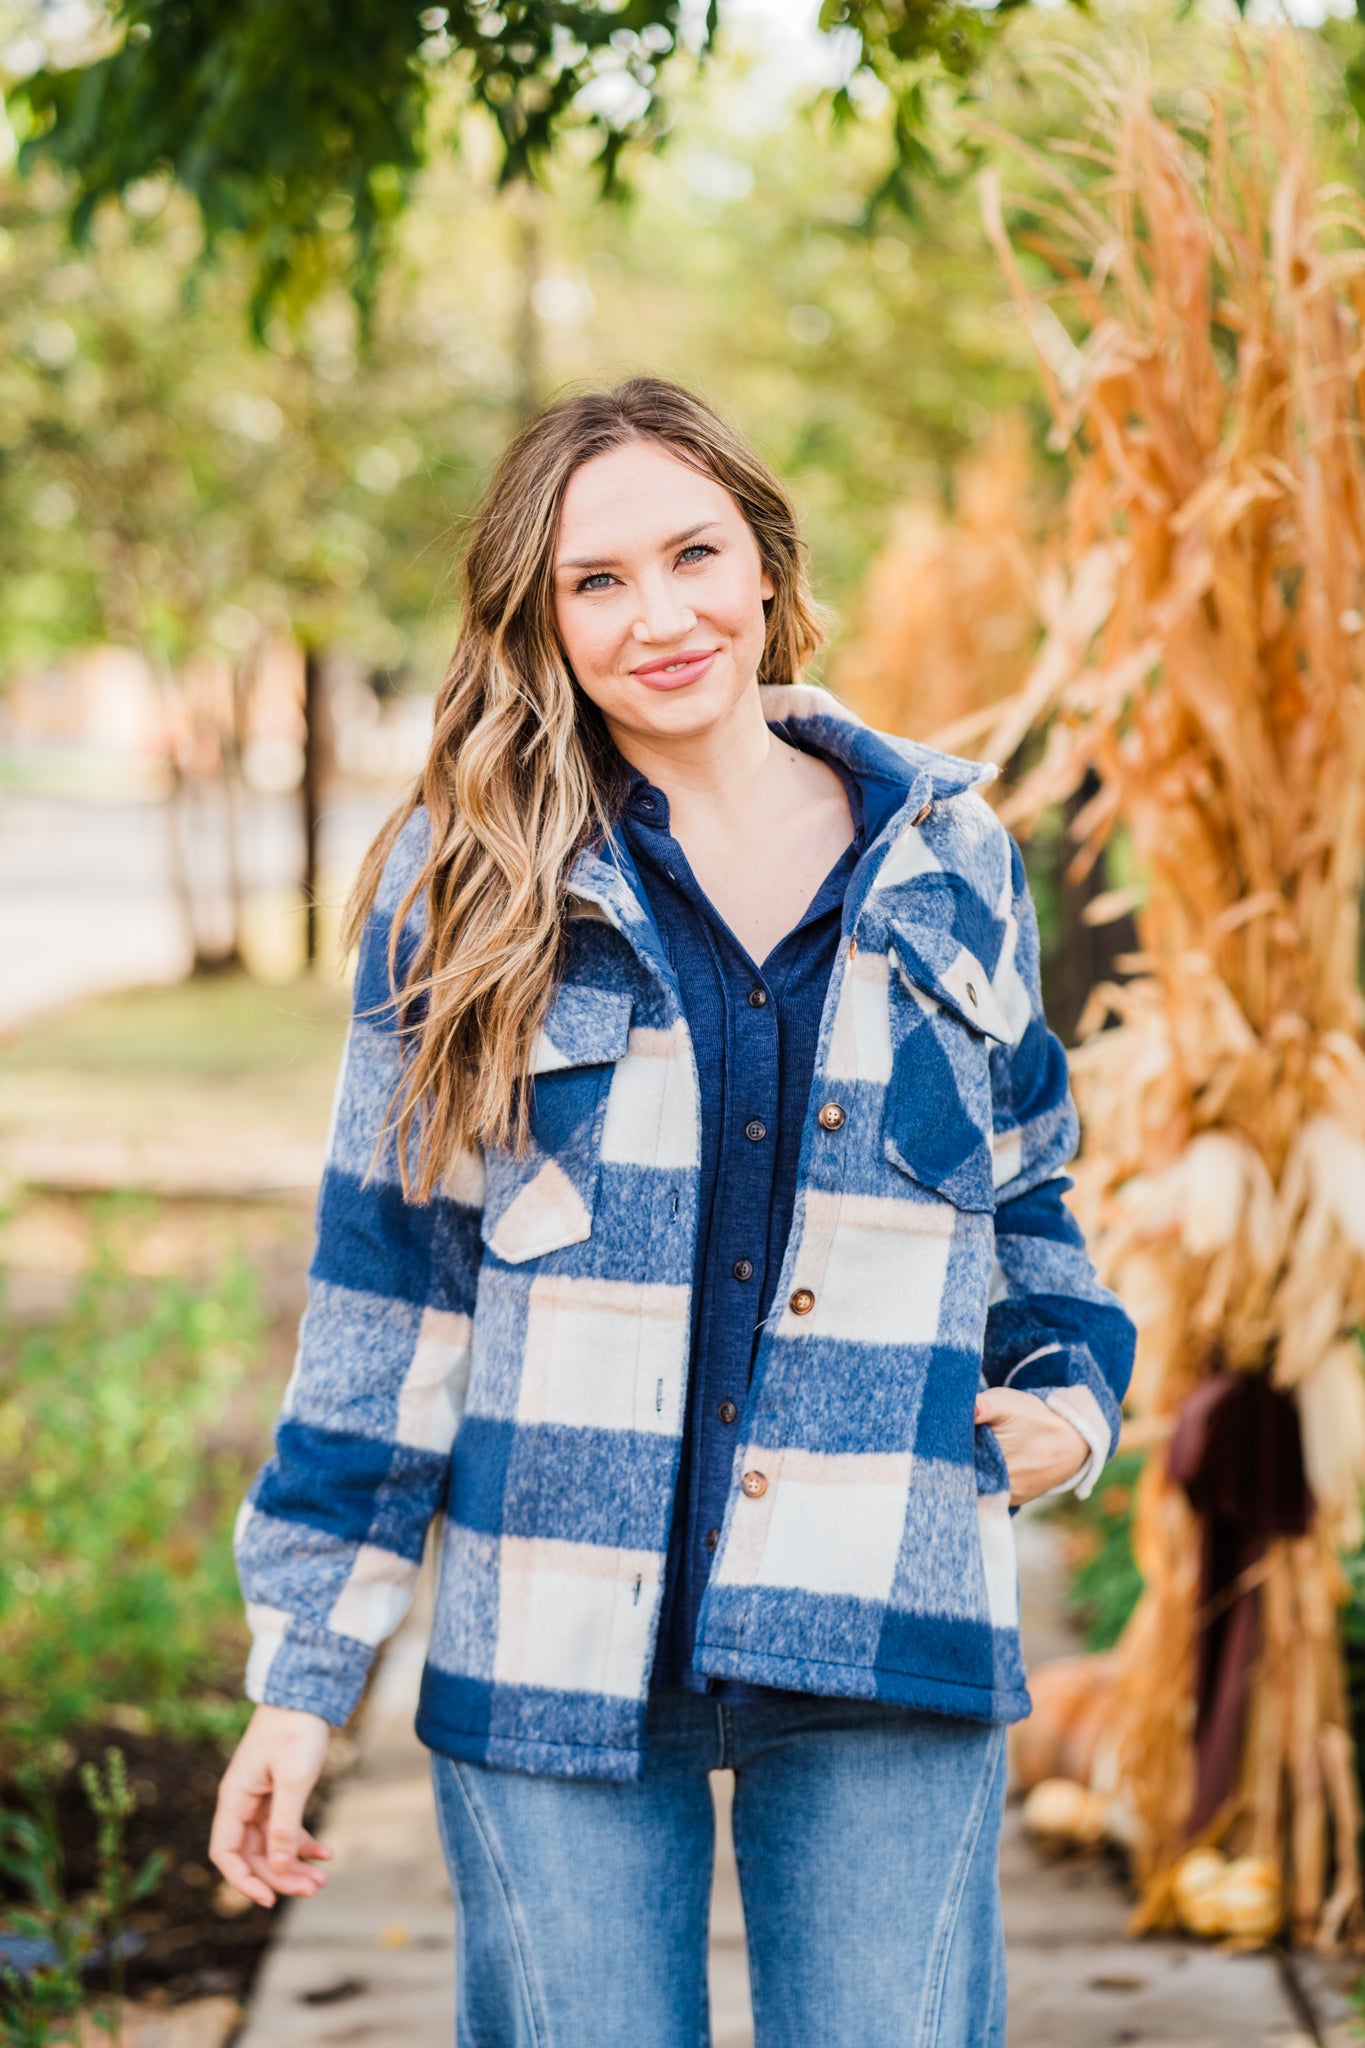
989	1406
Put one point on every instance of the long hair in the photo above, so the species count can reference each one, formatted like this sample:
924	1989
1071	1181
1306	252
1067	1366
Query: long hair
522	773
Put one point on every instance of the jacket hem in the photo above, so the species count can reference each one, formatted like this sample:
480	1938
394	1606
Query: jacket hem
537	1756
898	1688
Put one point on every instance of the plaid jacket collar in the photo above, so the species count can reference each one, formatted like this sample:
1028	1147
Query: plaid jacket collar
923	773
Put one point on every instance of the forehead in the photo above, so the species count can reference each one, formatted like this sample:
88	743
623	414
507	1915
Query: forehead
635	496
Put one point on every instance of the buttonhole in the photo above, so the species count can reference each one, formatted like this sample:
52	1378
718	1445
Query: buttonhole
659	1398
635	1589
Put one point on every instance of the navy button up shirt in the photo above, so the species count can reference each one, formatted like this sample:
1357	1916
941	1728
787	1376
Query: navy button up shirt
754	1031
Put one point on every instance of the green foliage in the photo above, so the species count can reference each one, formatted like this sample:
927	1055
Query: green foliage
1105	1582
116	1574
40	2005
301	127
290	121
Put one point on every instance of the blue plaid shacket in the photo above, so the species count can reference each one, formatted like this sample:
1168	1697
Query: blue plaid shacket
513	1354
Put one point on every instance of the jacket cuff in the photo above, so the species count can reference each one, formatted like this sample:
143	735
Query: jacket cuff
1073	1385
295	1663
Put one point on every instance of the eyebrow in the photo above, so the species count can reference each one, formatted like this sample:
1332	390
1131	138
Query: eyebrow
675	540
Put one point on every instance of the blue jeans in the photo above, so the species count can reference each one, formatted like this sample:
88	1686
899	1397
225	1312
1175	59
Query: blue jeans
867	1839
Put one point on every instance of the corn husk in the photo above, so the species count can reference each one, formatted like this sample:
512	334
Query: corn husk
948	617
1203	664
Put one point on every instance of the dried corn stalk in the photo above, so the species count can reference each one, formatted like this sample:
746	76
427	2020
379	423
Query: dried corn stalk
1204	656
949	617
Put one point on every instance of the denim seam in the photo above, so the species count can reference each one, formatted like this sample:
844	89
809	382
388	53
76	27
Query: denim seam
520	1944
946	1931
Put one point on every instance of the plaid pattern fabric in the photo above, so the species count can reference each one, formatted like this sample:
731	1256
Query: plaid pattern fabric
514	1354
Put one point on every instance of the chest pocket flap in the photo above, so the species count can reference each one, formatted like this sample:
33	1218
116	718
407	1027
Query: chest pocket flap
945	1018
544	1200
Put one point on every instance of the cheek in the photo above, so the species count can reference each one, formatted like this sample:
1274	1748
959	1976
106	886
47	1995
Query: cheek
736	605
589	639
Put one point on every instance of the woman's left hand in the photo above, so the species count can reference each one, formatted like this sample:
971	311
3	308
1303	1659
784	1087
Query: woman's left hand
1041	1448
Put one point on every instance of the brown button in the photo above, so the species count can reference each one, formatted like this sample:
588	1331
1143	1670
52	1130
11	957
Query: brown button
743	1269
832	1116
971	995
754	1484
922	813
711	1538
727	1411
802	1302
755	1128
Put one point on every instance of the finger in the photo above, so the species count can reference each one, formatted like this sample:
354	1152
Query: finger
244	1880
230	1852
990	1408
285	1832
311	1848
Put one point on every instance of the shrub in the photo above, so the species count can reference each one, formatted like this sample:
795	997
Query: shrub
116	1578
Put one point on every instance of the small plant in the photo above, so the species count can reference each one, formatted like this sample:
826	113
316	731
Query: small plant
53	1943
1104	1578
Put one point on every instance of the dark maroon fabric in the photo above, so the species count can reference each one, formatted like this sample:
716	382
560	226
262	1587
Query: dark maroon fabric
1237	1452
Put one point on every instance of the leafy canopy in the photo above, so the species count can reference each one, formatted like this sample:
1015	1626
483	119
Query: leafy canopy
299	125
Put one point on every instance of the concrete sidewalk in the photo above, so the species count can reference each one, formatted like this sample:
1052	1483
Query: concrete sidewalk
368	1962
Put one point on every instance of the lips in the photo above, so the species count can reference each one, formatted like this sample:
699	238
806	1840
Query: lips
670	671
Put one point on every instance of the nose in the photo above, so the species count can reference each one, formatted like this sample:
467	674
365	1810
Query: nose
663	615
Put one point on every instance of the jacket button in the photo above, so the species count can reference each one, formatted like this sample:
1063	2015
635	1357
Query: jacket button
922	813
971	995
743	1269
802	1302
755	1129
832	1116
711	1538
754	1484
727	1411
852	945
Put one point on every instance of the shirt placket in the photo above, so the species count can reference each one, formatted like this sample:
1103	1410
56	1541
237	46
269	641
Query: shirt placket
737	1267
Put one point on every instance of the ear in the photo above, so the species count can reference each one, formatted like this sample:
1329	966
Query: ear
767	590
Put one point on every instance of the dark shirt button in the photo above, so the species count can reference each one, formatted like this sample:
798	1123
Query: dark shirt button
743	1269
727	1411
832	1117
757	998
711	1538
755	1129
645	801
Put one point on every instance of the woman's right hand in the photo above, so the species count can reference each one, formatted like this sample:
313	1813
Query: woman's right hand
258	1840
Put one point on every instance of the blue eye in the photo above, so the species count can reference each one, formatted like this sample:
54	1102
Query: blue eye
598	579
696	547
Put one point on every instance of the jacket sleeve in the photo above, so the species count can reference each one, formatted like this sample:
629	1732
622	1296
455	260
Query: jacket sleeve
1051	1328
330	1538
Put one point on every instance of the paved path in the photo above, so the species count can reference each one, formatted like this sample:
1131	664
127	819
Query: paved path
368	1962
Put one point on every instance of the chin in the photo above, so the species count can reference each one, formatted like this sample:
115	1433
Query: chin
687	711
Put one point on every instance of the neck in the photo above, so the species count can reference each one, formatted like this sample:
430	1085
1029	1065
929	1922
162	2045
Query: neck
724	770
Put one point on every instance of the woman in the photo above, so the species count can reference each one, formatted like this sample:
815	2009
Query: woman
692	1237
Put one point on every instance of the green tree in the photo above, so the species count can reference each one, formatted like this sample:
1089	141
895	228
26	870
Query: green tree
301	128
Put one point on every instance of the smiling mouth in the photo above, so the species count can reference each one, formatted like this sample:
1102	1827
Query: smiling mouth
676	667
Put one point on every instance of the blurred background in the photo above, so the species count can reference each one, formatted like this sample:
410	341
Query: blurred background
252	379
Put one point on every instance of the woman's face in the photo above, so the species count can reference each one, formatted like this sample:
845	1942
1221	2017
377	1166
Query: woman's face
659	592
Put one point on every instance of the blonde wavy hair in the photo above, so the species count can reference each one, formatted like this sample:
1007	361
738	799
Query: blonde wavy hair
522	773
